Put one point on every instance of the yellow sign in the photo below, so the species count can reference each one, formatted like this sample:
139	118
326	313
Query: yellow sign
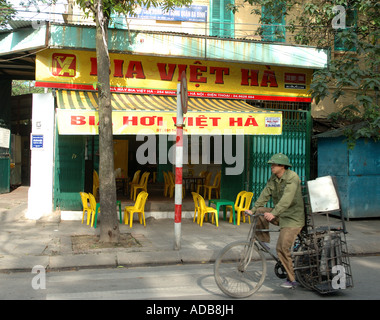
138	74
74	121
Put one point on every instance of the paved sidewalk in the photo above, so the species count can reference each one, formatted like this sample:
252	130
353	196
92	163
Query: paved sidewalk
49	241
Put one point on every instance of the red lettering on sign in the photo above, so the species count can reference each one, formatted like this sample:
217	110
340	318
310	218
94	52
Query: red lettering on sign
251	121
219	72
166	75
196	74
127	121
94	67
246	75
135	68
118	68
238	121
78	120
269	77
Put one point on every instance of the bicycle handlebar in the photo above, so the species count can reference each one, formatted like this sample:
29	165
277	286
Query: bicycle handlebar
253	214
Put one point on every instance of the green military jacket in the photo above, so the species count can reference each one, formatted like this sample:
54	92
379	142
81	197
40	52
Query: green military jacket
287	199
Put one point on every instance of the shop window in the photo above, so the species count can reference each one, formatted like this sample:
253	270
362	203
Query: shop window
273	22
221	19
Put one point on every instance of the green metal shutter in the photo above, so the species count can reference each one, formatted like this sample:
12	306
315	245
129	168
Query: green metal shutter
221	19
294	142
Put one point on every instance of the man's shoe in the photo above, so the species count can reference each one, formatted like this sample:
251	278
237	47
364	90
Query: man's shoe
290	284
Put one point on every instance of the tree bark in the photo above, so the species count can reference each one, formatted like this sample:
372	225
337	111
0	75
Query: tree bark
109	227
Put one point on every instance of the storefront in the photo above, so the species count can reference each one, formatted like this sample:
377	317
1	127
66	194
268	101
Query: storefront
229	117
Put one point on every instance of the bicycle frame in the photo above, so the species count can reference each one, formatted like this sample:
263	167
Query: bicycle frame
253	239
279	269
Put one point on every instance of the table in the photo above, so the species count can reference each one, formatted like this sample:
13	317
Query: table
124	184
187	181
224	202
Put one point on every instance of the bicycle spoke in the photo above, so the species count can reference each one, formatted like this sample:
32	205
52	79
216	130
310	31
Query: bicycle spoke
240	269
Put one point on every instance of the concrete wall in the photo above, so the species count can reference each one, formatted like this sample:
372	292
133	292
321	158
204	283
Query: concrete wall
40	195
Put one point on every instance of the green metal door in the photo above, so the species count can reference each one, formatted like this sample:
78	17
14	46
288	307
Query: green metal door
5	169
4	172
69	172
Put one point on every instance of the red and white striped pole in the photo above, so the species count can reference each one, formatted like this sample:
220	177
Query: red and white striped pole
178	187
181	109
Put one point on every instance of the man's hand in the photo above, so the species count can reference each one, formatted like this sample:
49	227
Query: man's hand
248	212
268	216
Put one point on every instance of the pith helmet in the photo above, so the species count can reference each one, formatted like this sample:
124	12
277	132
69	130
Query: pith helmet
280	158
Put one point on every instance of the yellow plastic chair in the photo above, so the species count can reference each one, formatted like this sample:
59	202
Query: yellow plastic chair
86	209
154	176
95	209
205	209
95	183
172	185
143	184
134	181
245	203
215	186
206	182
166	184
238	202
197	208
139	208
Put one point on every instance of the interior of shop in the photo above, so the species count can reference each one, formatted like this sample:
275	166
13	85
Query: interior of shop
129	171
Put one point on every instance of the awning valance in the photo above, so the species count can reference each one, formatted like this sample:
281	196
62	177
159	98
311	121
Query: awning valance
149	114
88	100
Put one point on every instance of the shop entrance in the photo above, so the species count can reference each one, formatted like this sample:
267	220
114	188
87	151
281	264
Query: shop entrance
243	165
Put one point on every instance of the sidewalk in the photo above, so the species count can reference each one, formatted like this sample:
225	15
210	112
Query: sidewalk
51	242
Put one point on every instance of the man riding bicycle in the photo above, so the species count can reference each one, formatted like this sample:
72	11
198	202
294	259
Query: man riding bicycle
284	186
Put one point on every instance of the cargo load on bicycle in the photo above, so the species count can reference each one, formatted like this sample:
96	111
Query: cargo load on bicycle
322	262
320	254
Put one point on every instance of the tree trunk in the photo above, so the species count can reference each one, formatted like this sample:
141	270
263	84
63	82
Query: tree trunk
109	227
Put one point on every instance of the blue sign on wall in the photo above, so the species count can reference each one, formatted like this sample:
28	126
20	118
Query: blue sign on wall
192	13
37	141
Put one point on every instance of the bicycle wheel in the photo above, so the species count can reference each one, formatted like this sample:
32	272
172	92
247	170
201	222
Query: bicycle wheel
305	267
240	269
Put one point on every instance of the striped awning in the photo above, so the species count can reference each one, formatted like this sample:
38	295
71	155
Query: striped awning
88	100
134	113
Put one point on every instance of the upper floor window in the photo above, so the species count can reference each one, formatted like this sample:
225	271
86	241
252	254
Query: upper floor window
345	38
273	22
221	19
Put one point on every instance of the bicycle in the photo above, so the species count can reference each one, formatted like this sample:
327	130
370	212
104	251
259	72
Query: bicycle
320	253
241	266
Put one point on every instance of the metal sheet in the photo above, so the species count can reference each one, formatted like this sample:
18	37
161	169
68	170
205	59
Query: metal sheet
197	47
24	39
323	196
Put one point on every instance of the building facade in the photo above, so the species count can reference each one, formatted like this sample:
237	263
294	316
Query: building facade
253	95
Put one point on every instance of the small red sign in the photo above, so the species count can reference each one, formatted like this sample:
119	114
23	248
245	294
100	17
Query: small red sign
295	78
64	65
